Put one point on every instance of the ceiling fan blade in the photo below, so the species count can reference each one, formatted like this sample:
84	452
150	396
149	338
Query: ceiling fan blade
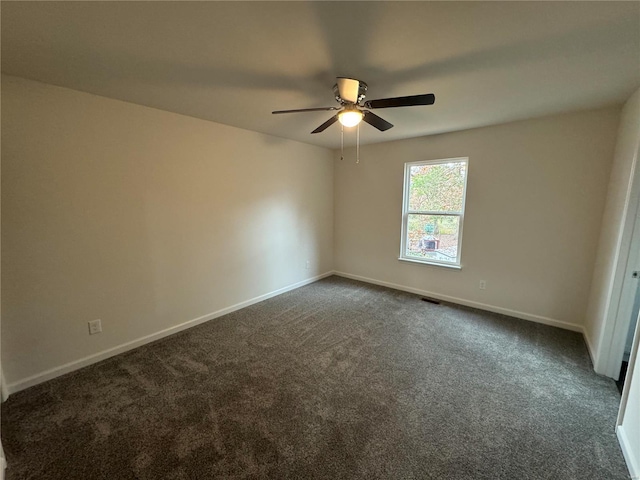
348	88
374	120
326	124
319	109
410	101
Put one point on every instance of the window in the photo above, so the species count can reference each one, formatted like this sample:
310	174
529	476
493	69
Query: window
433	211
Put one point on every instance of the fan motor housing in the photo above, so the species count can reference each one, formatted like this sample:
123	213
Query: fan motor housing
362	91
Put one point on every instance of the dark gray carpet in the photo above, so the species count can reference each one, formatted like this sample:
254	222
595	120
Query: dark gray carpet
336	380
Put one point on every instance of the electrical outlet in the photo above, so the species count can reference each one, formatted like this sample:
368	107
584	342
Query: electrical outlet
482	285
308	264
95	326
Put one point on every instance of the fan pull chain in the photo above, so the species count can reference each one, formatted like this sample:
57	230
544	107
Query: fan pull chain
358	144
341	142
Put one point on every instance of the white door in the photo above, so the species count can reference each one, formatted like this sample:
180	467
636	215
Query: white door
625	320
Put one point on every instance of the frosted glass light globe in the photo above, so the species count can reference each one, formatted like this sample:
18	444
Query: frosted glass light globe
350	118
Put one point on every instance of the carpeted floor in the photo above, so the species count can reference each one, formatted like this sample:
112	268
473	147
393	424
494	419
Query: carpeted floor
336	380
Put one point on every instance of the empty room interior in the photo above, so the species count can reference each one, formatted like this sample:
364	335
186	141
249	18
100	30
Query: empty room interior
320	240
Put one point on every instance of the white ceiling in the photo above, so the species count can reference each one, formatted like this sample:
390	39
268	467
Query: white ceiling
235	62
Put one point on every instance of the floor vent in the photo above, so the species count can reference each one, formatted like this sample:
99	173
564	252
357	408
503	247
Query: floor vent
431	300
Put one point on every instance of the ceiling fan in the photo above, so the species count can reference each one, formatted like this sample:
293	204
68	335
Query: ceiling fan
353	109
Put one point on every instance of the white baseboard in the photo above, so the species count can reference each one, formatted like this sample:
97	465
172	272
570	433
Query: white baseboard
4	390
469	303
97	357
630	456
3	463
590	348
91	359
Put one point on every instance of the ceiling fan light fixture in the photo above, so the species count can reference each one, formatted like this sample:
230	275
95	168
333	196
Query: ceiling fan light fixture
350	117
350	94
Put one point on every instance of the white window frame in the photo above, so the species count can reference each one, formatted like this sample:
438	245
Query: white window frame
406	212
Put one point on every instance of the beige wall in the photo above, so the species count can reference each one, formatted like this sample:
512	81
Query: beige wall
144	219
148	219
614	241
535	198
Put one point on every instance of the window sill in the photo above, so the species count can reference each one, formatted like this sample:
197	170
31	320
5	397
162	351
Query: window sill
432	264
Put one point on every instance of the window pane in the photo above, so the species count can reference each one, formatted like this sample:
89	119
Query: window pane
437	188
433	237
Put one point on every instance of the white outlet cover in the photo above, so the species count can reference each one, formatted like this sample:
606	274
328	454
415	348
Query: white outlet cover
95	326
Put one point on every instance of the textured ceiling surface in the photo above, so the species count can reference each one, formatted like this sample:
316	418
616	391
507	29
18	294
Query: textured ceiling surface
235	62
